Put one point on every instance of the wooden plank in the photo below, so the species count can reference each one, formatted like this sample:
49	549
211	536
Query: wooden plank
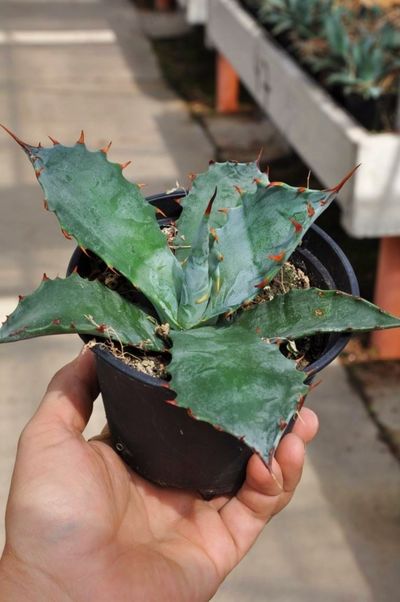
227	86
163	4
387	296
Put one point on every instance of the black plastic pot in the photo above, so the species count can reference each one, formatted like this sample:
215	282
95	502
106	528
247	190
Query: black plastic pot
161	441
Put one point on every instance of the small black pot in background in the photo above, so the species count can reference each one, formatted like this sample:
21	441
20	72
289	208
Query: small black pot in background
161	441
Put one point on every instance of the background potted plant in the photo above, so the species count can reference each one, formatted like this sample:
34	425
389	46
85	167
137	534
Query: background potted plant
195	296
312	119
352	48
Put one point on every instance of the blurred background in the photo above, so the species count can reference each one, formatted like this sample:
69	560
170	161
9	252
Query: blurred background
314	83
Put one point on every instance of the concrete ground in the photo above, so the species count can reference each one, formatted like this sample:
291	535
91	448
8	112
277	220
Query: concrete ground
67	65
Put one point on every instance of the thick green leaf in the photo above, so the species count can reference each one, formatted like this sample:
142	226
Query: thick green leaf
196	286
262	226
224	177
240	384
302	313
259	237
105	213
78	305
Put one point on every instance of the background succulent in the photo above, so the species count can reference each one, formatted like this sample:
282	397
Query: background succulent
350	45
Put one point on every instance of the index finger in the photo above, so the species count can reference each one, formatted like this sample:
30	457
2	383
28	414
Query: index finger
306	425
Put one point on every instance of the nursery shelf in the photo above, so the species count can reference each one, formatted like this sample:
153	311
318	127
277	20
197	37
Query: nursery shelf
330	141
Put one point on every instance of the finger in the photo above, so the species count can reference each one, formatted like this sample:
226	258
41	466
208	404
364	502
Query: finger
70	395
246	514
290	454
260	480
266	493
290	457
306	425
305	428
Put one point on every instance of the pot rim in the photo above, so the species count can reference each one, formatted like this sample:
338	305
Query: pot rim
324	360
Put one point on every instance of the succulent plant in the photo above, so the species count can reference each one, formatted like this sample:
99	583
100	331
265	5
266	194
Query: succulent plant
300	20
302	16
362	58
235	232
349	45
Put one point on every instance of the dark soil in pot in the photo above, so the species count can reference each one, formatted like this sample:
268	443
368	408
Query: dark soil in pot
160	440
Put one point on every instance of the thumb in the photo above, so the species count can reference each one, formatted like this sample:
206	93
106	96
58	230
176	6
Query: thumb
70	395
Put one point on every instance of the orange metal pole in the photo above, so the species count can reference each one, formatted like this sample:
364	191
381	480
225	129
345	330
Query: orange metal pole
227	87
387	296
163	4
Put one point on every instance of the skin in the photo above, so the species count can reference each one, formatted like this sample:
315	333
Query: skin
81	526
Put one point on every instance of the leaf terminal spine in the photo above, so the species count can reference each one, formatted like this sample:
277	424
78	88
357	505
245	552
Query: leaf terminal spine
210	203
339	186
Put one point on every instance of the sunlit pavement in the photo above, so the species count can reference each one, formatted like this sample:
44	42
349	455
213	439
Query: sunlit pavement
79	64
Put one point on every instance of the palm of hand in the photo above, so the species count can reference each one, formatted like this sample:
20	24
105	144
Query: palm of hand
77	513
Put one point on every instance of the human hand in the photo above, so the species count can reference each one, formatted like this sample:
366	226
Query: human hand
82	526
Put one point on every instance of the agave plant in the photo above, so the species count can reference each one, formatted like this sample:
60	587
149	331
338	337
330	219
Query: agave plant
235	232
302	17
